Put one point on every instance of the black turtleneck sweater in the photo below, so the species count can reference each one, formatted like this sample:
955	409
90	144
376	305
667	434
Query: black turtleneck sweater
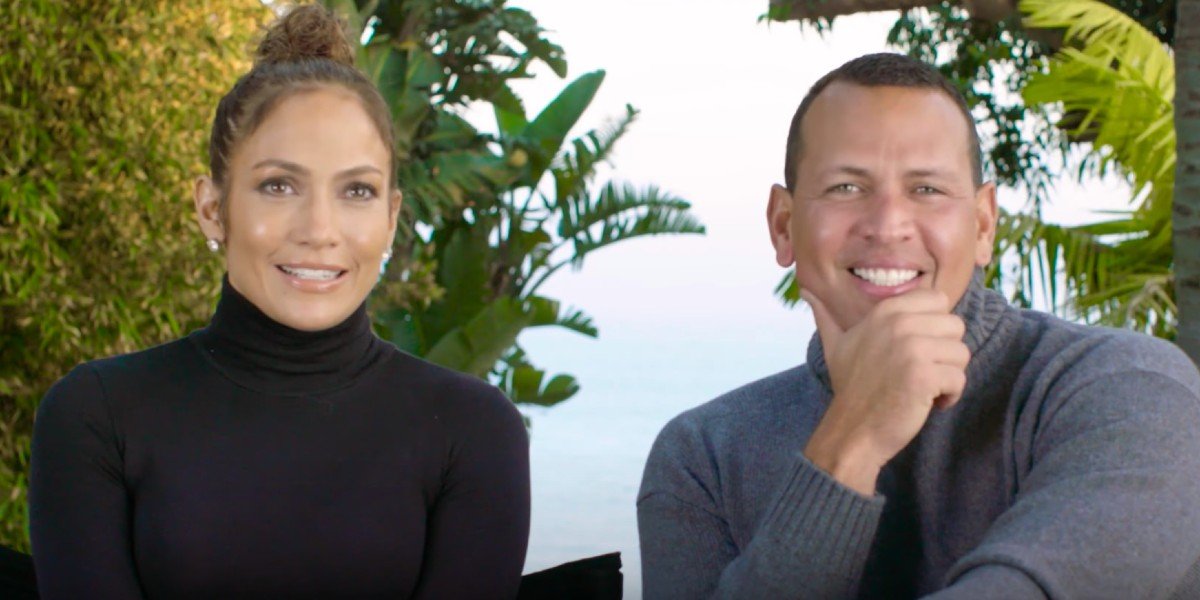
250	459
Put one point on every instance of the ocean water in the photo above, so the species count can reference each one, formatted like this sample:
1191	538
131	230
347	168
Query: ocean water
587	454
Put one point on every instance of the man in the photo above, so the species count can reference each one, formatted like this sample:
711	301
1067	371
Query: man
938	441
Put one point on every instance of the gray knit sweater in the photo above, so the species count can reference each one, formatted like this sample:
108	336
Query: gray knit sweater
1069	469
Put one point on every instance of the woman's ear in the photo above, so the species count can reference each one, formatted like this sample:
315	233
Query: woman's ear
208	208
395	201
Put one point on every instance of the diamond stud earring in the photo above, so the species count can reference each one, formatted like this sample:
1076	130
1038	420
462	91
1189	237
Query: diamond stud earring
213	244
387	256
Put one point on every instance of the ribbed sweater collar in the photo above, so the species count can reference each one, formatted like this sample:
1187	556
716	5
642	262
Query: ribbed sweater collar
262	354
982	311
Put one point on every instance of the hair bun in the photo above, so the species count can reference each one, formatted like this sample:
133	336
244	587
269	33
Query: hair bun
306	32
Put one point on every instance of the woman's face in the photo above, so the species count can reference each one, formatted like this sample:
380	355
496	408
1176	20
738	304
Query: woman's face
309	214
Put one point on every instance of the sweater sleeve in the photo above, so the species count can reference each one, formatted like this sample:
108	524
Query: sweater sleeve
812	543
1106	504
478	528
79	517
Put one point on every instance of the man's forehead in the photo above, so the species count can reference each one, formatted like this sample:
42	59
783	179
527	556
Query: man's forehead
912	169
846	98
854	125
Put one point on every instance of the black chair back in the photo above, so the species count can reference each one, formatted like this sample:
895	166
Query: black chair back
595	578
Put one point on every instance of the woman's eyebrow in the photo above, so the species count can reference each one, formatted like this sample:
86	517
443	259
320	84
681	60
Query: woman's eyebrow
296	168
283	164
360	170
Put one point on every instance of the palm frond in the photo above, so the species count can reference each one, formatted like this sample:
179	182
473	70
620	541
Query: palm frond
620	213
1121	78
524	383
1112	273
575	167
548	312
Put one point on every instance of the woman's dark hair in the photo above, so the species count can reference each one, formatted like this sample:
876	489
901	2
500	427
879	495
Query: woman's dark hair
305	50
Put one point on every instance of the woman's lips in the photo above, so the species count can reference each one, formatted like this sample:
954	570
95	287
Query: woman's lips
312	278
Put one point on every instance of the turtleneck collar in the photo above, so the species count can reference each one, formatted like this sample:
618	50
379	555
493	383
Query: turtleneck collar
259	353
981	309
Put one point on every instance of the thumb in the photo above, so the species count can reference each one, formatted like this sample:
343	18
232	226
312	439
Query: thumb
831	333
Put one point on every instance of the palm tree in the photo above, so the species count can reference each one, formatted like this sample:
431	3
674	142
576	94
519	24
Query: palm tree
1116	81
494	260
1187	200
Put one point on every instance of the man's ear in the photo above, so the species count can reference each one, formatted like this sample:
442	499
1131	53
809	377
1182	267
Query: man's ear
985	214
208	208
779	224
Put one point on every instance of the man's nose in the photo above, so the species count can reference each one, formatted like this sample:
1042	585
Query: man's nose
887	217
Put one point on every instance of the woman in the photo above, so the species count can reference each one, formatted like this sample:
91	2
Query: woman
284	450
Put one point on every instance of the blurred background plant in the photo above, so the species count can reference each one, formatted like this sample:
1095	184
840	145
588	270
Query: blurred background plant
106	114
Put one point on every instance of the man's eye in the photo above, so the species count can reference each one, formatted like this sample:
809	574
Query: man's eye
361	191
844	188
925	190
276	187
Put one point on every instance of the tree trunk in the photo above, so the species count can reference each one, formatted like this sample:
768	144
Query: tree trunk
792	10
1186	226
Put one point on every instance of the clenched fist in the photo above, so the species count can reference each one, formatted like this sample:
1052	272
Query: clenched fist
888	371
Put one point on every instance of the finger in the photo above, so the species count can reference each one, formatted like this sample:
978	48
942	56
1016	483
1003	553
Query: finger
831	333
945	401
936	350
951	382
916	301
948	326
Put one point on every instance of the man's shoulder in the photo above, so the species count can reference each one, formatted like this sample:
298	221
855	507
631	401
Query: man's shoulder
759	402
1074	350
735	441
765	418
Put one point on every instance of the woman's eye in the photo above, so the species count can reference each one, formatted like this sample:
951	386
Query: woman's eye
361	191
276	187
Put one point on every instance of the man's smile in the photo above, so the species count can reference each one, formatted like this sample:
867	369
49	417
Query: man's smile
886	277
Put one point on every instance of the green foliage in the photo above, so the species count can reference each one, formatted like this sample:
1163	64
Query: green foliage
497	213
104	113
1120	80
1116	81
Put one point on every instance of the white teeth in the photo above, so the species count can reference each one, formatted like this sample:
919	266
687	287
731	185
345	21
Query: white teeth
314	274
886	277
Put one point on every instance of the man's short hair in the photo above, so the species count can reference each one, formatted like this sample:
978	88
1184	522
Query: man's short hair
882	69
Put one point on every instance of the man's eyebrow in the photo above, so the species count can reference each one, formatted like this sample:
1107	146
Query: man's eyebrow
927	173
849	170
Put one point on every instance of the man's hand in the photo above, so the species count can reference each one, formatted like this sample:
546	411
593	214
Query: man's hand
888	371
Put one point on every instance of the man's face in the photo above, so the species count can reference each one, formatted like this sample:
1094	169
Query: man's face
885	202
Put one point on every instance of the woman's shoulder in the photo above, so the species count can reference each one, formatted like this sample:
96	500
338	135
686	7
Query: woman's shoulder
447	391
165	362
92	381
